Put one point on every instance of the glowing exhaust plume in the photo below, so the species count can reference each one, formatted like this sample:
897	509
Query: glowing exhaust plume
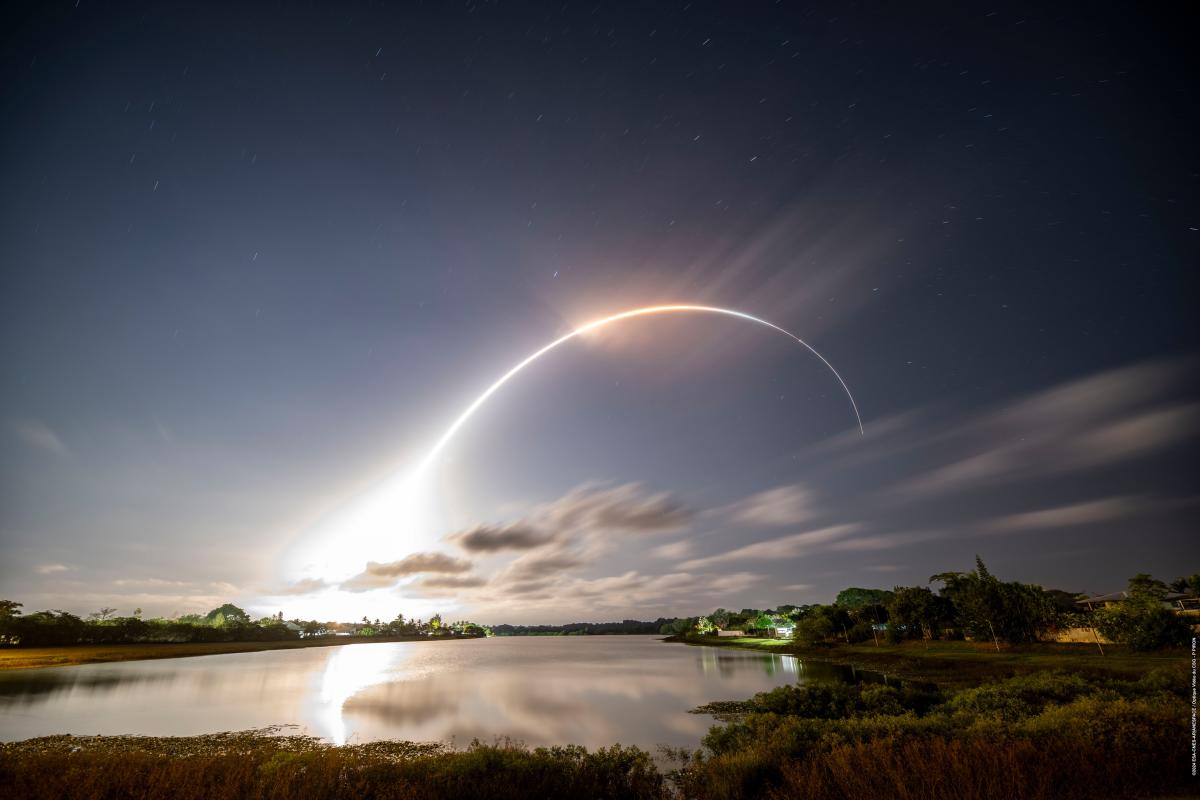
367	529
591	326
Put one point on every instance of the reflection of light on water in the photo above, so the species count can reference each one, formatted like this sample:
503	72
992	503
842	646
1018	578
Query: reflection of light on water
714	663
787	664
350	669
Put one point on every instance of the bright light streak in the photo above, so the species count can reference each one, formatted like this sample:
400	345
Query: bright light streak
349	670
599	323
367	529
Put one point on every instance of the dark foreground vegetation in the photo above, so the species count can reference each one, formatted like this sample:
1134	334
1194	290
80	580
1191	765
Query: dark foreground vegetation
1048	735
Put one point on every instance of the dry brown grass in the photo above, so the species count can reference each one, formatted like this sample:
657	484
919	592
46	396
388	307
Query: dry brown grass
36	657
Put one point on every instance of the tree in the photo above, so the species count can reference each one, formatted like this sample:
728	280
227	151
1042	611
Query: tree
677	626
720	618
1141	620
814	628
435	622
1189	585
10	615
227	614
916	608
991	609
855	597
1145	585
102	614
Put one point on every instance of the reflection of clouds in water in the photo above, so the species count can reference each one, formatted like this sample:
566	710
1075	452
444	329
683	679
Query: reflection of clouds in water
592	701
591	691
24	689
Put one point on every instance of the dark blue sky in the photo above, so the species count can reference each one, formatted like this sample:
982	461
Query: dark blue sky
257	260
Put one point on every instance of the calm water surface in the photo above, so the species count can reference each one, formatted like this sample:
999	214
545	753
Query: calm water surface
592	691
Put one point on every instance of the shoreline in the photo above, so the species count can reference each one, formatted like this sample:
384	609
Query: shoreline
17	658
957	664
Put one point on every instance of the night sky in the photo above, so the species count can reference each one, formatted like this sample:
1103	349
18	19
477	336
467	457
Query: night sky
257	258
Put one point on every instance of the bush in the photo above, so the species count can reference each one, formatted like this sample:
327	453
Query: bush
1143	624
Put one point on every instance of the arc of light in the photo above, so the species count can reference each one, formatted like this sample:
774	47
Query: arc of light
599	323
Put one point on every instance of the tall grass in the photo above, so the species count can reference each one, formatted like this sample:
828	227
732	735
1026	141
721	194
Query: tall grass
271	772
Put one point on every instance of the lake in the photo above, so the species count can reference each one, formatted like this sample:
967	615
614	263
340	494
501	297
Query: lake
588	690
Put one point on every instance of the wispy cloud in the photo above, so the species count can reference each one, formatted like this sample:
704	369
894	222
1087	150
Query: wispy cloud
303	586
149	583
628	507
50	569
453	582
673	550
781	548
493	538
37	435
886	541
1084	424
569	533
1090	512
379	575
778	507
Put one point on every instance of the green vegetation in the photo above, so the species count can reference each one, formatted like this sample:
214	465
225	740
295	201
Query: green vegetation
957	664
625	627
257	765
976	606
1141	620
224	624
1048	735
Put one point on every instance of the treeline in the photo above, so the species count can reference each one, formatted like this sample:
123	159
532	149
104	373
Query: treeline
628	626
975	605
226	623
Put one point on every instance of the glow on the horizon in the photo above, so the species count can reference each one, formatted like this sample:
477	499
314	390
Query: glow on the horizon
599	323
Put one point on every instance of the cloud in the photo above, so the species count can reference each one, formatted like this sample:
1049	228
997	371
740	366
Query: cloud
886	541
673	550
623	508
796	587
304	586
783	505
50	569
379	575
492	538
1087	513
453	582
149	583
776	549
1092	422
568	533
541	565
36	434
